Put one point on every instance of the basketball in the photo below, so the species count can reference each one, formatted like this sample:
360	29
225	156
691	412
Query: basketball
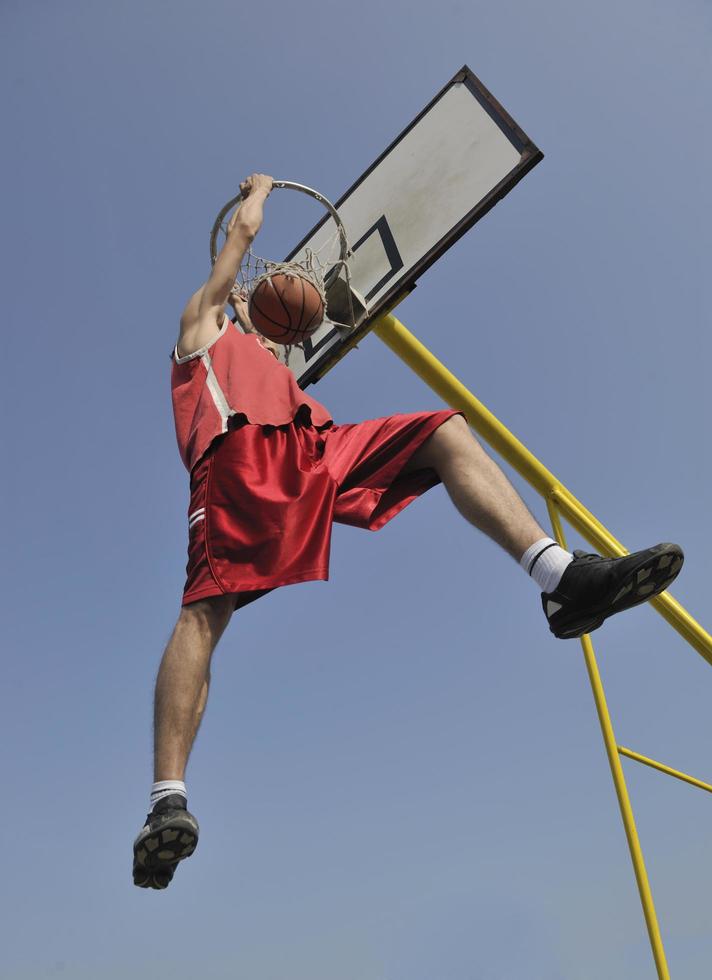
286	308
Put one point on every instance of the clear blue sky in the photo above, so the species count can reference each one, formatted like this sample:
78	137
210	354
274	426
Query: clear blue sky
400	775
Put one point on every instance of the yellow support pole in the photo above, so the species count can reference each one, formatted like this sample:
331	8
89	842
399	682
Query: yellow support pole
402	342
641	876
395	335
626	810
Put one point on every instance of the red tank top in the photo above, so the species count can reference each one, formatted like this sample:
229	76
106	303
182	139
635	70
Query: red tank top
233	376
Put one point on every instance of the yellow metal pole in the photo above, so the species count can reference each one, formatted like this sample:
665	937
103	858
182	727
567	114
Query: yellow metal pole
402	342
395	335
641	876
612	750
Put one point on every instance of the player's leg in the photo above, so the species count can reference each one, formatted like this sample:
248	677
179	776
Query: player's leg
171	832
183	682
477	486
578	591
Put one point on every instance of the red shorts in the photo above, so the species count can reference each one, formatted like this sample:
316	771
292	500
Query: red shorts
264	498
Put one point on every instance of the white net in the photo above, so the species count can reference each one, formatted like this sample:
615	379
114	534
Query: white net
319	267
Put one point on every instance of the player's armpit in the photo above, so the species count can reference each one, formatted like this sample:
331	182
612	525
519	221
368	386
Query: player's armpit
202	333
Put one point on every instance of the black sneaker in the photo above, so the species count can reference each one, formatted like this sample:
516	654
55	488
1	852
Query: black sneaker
593	588
170	834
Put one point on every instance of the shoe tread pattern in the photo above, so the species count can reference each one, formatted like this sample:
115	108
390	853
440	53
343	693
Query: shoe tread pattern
643	582
157	851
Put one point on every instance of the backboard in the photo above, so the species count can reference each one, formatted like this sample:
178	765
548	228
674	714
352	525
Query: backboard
463	142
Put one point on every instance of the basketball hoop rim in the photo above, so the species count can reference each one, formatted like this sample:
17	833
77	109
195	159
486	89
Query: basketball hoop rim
282	185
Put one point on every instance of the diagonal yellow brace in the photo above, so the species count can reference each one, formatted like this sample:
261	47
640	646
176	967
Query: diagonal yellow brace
668	770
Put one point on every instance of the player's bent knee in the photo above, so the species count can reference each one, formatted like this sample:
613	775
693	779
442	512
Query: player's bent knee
441	444
453	431
457	423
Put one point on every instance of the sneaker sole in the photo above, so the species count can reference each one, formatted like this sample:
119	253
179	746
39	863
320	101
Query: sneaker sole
162	849
158	878
643	582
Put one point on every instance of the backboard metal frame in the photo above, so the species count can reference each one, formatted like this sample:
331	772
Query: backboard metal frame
317	365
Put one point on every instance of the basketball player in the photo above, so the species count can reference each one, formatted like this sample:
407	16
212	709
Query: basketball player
270	472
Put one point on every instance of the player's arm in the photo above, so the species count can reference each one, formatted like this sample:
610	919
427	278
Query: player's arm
204	312
243	227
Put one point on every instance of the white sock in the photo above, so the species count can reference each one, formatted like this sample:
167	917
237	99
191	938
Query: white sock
165	787
546	562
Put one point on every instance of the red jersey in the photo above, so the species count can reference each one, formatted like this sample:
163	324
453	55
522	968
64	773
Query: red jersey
233	376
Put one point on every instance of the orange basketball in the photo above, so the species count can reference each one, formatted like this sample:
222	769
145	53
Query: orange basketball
286	308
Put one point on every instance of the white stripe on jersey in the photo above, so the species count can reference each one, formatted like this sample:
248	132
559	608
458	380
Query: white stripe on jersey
216	392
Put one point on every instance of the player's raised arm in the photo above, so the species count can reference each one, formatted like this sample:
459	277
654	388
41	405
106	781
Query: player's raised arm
244	225
205	309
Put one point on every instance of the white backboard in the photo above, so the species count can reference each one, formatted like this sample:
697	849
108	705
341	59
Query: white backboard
460	156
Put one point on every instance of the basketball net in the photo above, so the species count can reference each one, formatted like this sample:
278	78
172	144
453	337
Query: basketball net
255	270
